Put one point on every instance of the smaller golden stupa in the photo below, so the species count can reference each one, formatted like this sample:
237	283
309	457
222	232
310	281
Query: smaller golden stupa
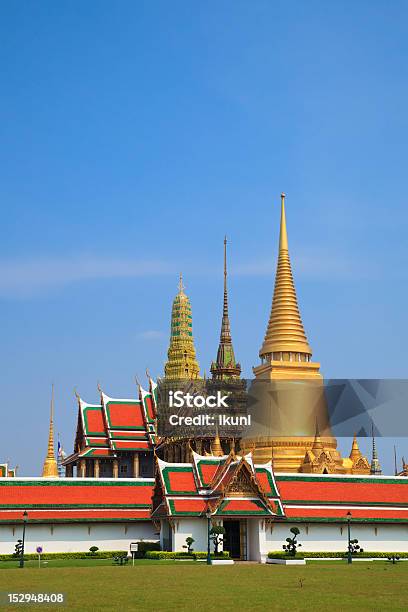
50	468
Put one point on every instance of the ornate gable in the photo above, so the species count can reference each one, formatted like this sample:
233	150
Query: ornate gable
243	482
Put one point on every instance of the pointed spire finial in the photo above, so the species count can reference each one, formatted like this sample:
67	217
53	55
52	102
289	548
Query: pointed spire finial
181	286
283	236
375	463
225	263
50	468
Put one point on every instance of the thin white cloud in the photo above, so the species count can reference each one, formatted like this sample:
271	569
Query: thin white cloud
26	278
152	334
21	278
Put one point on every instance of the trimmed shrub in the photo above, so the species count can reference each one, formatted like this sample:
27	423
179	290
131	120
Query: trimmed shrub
104	554
145	546
221	555
337	554
285	555
162	554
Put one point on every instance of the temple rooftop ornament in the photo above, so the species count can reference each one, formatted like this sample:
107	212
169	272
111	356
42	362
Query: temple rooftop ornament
216	447
225	367
50	467
375	468
182	363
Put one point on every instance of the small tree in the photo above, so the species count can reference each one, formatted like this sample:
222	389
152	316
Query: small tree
188	544
93	550
292	544
216	535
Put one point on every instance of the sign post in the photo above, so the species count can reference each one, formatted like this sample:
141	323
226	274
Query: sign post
39	551
133	550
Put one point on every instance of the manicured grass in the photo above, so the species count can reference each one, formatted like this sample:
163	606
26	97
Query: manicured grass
176	586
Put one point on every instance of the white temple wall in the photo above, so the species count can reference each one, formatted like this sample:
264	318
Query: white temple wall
190	527
78	537
328	537
261	538
255	539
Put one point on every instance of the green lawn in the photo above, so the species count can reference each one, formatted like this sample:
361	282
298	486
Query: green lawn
176	586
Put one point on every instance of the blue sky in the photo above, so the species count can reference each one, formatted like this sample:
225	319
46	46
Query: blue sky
135	135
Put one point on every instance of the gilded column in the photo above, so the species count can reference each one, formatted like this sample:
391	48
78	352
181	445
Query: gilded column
115	468
96	468
82	468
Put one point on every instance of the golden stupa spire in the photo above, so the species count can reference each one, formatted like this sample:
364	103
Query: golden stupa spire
50	468
182	362
285	332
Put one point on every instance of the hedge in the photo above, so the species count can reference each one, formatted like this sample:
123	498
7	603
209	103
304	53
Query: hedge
162	554
283	555
145	546
338	555
105	554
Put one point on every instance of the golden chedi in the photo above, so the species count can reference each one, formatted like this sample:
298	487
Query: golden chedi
290	423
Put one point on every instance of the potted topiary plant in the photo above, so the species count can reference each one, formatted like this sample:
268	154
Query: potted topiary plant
292	543
290	555
188	545
216	535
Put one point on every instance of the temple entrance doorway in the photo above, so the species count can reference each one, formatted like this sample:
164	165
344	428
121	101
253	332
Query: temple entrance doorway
235	538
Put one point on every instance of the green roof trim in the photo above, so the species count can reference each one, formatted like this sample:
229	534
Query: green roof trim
165	473
344	479
77	482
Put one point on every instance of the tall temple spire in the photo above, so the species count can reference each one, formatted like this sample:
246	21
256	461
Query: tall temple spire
285	334
50	468
225	367
182	363
375	467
